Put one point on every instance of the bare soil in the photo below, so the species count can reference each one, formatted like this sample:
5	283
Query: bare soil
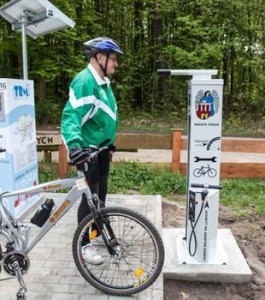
250	235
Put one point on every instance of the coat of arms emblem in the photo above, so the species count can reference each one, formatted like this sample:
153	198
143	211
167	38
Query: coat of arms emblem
207	104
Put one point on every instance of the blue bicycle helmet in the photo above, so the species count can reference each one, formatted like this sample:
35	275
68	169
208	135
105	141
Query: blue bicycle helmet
101	45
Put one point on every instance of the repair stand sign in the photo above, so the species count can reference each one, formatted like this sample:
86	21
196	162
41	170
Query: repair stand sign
18	165
204	155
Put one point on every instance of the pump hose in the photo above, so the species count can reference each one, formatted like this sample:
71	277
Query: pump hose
193	232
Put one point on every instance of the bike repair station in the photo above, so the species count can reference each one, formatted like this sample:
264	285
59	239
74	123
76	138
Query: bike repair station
201	251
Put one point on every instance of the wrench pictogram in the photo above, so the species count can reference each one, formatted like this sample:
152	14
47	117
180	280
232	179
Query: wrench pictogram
197	159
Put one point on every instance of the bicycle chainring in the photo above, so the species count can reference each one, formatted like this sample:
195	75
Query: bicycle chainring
13	256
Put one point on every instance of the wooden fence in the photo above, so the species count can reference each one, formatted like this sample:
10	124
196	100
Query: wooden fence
51	141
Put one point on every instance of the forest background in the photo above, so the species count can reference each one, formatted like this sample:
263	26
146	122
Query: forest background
172	34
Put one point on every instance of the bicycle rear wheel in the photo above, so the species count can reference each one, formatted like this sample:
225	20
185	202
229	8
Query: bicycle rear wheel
141	253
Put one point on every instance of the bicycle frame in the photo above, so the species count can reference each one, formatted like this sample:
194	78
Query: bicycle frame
11	231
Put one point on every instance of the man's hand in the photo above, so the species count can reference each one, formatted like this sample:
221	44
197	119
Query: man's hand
78	155
80	158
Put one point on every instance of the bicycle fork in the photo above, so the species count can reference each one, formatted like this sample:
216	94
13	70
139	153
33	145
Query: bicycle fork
106	231
108	235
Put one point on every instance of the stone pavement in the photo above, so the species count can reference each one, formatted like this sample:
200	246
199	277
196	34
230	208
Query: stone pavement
53	274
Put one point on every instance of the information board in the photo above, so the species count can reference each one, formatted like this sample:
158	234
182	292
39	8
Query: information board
18	165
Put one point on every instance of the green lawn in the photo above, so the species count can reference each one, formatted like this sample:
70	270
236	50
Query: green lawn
163	123
241	195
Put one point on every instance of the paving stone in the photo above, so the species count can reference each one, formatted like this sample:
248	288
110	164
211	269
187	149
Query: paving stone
95	297
82	289
72	279
123	298
64	296
55	288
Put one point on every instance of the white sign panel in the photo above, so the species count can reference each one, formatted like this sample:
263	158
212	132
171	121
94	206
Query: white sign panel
204	156
205	125
18	165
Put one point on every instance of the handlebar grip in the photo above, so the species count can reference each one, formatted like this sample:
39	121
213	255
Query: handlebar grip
207	186
166	72
89	157
96	151
2	150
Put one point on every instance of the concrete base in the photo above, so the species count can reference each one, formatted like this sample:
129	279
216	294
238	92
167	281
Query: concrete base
235	270
217	254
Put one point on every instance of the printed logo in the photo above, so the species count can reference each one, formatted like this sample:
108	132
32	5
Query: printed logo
207	104
21	92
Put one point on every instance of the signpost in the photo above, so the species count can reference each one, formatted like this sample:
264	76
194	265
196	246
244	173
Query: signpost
200	242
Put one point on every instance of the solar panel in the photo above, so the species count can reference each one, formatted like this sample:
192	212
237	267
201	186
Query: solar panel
42	17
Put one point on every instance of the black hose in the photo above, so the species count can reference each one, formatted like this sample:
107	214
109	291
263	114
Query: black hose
193	232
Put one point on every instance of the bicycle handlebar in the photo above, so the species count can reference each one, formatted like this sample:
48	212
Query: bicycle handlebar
207	186
96	151
2	150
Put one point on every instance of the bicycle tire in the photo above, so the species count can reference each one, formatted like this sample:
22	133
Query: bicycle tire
136	235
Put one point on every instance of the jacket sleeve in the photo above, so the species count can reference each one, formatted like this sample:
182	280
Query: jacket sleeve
72	115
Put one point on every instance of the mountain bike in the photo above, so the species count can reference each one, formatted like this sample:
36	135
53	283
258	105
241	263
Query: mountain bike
202	171
131	246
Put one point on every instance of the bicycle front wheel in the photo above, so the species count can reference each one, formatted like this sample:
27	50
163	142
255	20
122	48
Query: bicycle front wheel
140	259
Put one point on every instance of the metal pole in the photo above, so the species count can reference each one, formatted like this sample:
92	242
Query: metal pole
24	44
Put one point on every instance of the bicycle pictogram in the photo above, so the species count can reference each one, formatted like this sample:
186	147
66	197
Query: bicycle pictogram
205	170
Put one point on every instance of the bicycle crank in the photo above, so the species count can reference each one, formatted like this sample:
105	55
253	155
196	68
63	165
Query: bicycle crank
15	259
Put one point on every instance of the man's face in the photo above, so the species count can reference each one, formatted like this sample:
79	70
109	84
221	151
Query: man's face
112	62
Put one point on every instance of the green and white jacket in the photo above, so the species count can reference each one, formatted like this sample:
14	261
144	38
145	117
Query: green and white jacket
90	115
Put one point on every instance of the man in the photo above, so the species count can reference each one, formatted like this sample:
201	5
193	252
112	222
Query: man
89	118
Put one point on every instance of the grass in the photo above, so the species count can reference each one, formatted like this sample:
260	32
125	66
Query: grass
145	122
146	180
241	195
163	123
244	194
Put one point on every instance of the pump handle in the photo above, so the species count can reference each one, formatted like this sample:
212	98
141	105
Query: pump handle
206	186
165	72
